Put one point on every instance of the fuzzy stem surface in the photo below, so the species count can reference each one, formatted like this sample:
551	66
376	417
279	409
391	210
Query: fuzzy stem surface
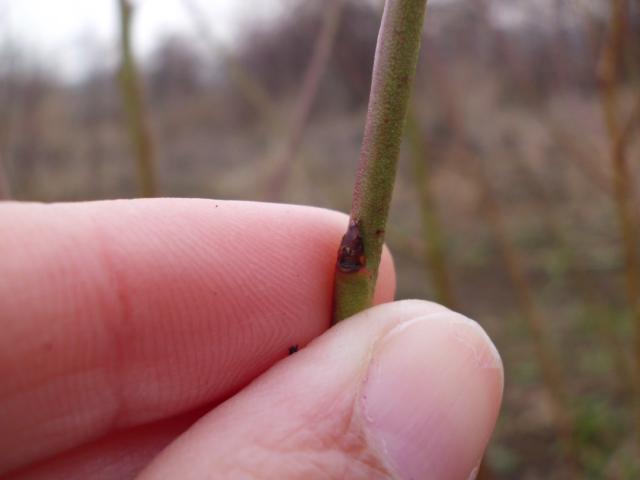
394	70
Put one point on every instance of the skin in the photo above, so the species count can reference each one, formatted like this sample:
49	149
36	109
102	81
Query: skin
151	338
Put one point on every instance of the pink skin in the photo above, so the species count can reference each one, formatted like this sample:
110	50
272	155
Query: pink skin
439	413
123	323
119	314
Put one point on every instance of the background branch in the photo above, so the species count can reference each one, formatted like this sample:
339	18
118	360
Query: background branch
620	135
132	95
5	190
302	110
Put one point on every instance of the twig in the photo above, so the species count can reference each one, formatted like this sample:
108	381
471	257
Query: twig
302	112
7	126
261	101
252	90
5	190
433	237
133	103
394	69
536	322
583	286
619	139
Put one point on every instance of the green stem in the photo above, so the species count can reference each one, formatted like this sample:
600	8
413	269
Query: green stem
133	104
393	73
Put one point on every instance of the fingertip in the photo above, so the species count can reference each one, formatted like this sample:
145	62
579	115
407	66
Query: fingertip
404	390
432	395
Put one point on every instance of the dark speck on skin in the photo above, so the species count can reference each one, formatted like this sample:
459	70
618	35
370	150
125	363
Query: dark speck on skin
293	349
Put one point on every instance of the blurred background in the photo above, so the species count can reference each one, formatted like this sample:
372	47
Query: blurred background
515	199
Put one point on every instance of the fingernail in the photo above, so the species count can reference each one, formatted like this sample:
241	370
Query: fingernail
431	397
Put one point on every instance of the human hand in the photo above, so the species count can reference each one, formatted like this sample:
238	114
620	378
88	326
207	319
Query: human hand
123	323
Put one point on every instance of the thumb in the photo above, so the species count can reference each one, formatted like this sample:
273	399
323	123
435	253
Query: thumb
408	390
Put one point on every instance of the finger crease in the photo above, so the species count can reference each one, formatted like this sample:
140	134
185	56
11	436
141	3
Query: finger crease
115	327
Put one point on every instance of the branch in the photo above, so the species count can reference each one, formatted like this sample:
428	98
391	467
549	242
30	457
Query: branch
251	89
435	251
315	71
133	103
393	73
5	190
620	136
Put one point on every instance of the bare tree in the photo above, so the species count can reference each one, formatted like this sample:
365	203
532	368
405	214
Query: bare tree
132	94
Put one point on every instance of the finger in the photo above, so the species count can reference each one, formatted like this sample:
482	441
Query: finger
118	456
407	390
116	314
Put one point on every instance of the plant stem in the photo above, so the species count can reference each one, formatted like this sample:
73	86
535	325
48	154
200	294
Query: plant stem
133	103
577	267
252	90
7	128
5	190
435	254
534	317
545	353
310	86
394	69
619	139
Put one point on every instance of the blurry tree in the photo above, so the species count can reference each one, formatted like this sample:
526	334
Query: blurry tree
250	88
619	134
277	58
434	238
5	189
314	73
133	99
7	123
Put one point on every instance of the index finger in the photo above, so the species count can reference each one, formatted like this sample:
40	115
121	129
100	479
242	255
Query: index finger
120	313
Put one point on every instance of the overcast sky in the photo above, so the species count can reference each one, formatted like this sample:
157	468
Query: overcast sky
65	35
63	32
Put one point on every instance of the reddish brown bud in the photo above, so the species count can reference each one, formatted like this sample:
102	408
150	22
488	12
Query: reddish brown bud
351	258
